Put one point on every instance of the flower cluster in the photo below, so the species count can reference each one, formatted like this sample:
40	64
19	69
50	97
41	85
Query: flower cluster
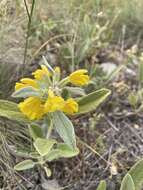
49	86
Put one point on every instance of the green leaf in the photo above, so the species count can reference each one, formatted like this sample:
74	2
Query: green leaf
136	173
75	91
102	185
10	110
66	151
8	105
27	153
64	128
43	146
91	101
53	155
62	151
127	183
24	165
35	131
46	124
26	92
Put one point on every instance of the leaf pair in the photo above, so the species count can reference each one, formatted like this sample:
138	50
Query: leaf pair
44	147
62	125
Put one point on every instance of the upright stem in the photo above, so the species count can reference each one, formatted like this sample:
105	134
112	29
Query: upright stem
27	10
28	27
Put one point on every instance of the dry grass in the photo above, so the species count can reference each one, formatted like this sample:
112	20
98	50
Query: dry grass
12	35
62	17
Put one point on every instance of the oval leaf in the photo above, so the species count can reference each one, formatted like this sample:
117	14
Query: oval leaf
26	92
24	165
65	128
8	105
127	183
66	151
136	173
53	155
35	131
91	101
62	151
43	146
102	185
10	110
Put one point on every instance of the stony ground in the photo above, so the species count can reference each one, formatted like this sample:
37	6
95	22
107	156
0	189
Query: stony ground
110	142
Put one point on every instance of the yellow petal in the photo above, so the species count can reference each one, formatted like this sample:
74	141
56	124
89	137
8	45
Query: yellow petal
71	106
19	85
79	77
57	69
26	82
32	107
40	73
50	93
53	104
29	82
80	72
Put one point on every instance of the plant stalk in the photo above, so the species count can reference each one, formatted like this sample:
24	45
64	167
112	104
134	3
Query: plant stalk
30	15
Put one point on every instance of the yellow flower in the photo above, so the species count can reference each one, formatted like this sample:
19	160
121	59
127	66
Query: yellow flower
71	106
79	77
40	73
54	103
32	107
26	82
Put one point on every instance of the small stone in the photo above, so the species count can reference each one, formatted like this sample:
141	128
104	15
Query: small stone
113	169
50	184
136	126
108	67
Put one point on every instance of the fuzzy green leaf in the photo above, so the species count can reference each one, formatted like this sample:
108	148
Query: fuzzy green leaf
66	151
102	185
53	155
136	173
35	131
10	110
24	165
26	92
91	101
8	105
127	183
64	128
43	146
62	151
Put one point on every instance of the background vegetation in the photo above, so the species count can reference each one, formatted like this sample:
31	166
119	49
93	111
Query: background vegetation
75	34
